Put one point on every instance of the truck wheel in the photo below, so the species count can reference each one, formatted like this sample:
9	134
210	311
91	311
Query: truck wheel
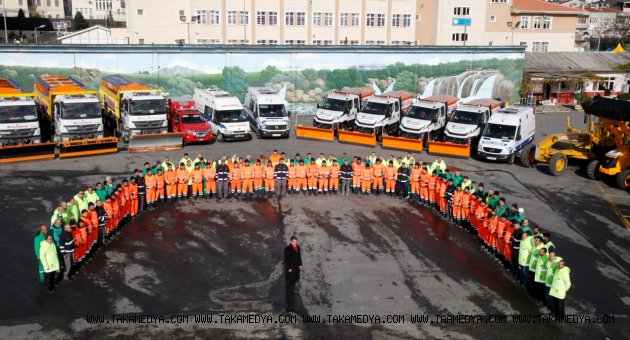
623	179
527	156
592	169
220	137
557	164
511	158
124	136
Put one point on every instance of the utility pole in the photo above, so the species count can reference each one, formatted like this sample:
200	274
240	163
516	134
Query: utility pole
36	28
4	17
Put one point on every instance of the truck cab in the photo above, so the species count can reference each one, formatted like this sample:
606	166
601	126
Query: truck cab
225	113
468	120
507	132
184	118
340	108
427	116
381	114
267	110
19	123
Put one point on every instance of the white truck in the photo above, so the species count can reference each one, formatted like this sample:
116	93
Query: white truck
18	115
267	111
427	117
228	119
381	114
469	119
340	108
508	131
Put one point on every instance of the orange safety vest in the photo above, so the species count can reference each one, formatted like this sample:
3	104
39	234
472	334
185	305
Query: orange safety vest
197	175
182	176
378	170
269	173
209	174
366	174
235	175
300	171
247	173
159	181
457	198
274	159
150	182
312	170
432	183
415	175
292	171
259	171
425	178
170	177
391	173
133	191
357	168
334	171
465	200
324	172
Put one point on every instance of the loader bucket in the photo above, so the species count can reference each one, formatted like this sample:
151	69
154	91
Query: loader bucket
449	149
401	143
309	132
27	152
156	142
88	147
359	138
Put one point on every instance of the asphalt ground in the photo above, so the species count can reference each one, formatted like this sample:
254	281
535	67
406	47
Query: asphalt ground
362	255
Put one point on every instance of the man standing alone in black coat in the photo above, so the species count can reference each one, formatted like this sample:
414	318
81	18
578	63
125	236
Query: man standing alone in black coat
292	267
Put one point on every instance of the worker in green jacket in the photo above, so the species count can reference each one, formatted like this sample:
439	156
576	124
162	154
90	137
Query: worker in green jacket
552	268
559	287
533	256
109	185
72	210
438	164
524	251
408	160
540	275
458	179
50	260
501	208
494	199
60	210
100	192
39	238
90	195
467	183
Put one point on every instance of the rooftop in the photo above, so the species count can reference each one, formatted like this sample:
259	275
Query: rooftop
536	6
570	62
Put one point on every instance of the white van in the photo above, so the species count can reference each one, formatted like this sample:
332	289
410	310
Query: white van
508	131
224	112
267	110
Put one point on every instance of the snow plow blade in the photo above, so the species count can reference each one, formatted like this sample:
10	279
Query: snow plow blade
359	138
313	133
401	143
156	142
449	149
27	152
88	147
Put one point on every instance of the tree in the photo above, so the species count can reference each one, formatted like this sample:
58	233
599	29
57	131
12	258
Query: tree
267	73
234	81
21	14
408	81
110	19
35	15
79	22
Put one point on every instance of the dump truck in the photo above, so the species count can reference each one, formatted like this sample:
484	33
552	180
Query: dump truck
225	113
380	115
136	112
427	117
267	110
71	116
20	132
184	118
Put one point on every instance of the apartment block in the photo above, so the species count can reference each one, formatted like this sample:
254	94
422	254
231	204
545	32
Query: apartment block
12	7
52	9
100	9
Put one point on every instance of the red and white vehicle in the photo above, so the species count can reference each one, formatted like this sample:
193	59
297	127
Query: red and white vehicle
184	118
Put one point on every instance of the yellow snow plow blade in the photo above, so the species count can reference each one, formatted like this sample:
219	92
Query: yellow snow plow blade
309	132
449	149
27	152
88	147
401	143
359	138
156	142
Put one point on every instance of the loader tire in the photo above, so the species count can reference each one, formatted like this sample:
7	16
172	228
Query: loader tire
558	164
592	170
527	156
623	179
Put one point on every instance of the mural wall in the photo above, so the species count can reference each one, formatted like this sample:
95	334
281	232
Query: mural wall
307	75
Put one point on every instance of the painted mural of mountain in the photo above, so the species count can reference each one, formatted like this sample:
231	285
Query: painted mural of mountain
471	85
181	70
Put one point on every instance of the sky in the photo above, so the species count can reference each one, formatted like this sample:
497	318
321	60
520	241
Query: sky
214	63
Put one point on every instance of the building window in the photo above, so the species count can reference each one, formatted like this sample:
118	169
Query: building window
289	42
141	41
525	23
493	18
231	17
244	18
607	84
48	3
260	18
343	19
547	23
202	41
273	42
317	19
523	43
396	20
380	20
355	19
407	20
370	20
301	19
535	46
288	19
537	22
328	19
215	17
201	17
273	18
300	42
459	37
461	10
317	42
545	46
370	42
261	42
140	11
56	3
499	1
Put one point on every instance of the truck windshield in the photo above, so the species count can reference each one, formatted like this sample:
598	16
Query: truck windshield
375	108
18	114
272	110
192	119
422	113
500	131
147	107
231	116
81	111
466	117
333	104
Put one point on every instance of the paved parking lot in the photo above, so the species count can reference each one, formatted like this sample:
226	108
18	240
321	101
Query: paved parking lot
364	256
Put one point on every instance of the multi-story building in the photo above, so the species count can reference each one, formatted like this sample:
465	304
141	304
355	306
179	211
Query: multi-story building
52	9
100	9
12	7
539	25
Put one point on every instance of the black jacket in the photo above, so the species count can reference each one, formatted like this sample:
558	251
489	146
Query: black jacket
448	194
142	187
292	260
346	171
281	172
223	172
66	242
102	216
403	175
516	238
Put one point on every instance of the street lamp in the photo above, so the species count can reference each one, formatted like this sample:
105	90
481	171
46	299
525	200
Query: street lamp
4	17
36	28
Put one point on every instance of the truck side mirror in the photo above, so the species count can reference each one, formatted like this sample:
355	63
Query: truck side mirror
518	137
318	105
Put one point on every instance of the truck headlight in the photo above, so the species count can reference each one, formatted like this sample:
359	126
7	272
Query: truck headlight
165	123
37	132
3	133
100	127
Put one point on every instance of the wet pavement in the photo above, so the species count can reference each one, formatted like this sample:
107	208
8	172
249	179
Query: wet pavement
362	255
